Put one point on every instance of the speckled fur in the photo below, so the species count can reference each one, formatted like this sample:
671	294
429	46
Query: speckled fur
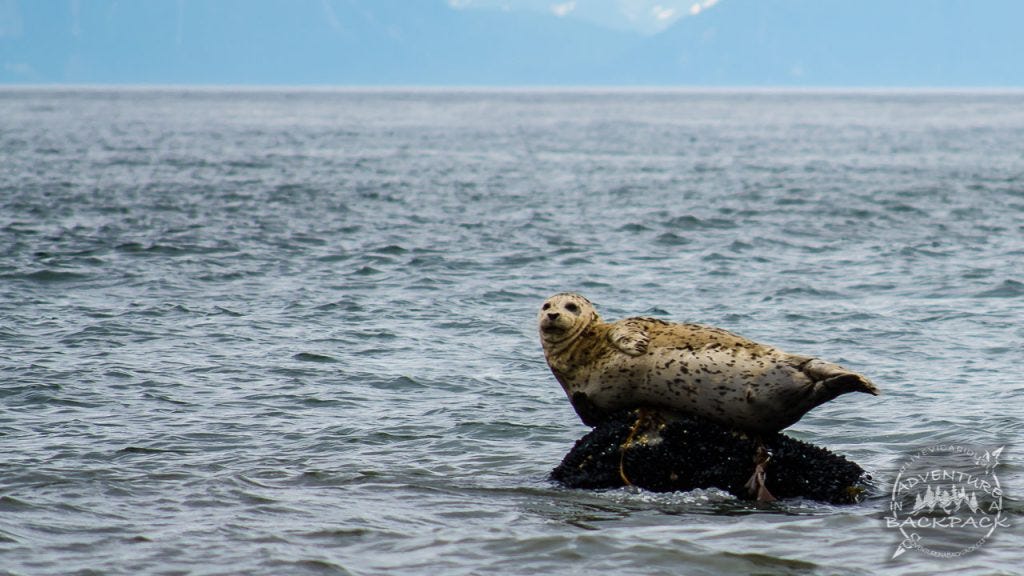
689	368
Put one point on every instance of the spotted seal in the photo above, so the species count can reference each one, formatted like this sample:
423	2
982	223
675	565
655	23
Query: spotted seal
688	368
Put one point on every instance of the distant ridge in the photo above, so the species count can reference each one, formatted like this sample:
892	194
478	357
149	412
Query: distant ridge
910	43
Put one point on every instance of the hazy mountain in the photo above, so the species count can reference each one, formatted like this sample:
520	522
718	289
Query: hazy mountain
830	42
532	42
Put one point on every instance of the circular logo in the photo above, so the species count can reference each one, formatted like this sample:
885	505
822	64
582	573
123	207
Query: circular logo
946	500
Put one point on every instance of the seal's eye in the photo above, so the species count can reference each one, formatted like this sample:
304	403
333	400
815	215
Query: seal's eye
546	306
572	308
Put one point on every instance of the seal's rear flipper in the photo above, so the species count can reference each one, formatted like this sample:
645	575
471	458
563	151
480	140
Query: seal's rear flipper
836	379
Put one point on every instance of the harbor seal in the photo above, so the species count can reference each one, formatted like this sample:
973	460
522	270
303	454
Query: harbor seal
687	368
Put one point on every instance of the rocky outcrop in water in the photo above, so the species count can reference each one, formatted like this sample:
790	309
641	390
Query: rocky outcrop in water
663	453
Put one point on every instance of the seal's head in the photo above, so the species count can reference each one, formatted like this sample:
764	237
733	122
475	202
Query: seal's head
563	317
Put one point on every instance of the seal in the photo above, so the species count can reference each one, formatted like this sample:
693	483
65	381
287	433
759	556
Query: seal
688	368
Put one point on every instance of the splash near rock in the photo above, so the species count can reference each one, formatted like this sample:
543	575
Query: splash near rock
664	452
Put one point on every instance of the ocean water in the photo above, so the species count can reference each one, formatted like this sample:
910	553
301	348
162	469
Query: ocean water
292	332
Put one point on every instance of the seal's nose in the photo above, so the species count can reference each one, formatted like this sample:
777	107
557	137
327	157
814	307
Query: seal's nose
553	315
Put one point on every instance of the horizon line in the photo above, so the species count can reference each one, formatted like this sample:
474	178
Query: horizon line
524	88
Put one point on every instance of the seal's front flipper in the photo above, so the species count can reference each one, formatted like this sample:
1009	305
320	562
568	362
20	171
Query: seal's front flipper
630	337
588	412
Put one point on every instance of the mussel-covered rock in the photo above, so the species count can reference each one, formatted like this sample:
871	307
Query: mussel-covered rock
664	452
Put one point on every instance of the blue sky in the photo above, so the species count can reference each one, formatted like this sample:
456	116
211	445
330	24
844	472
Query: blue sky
827	43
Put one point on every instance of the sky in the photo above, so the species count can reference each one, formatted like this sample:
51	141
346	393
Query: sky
687	43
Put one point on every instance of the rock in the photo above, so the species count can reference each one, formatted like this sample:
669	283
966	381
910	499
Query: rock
664	452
